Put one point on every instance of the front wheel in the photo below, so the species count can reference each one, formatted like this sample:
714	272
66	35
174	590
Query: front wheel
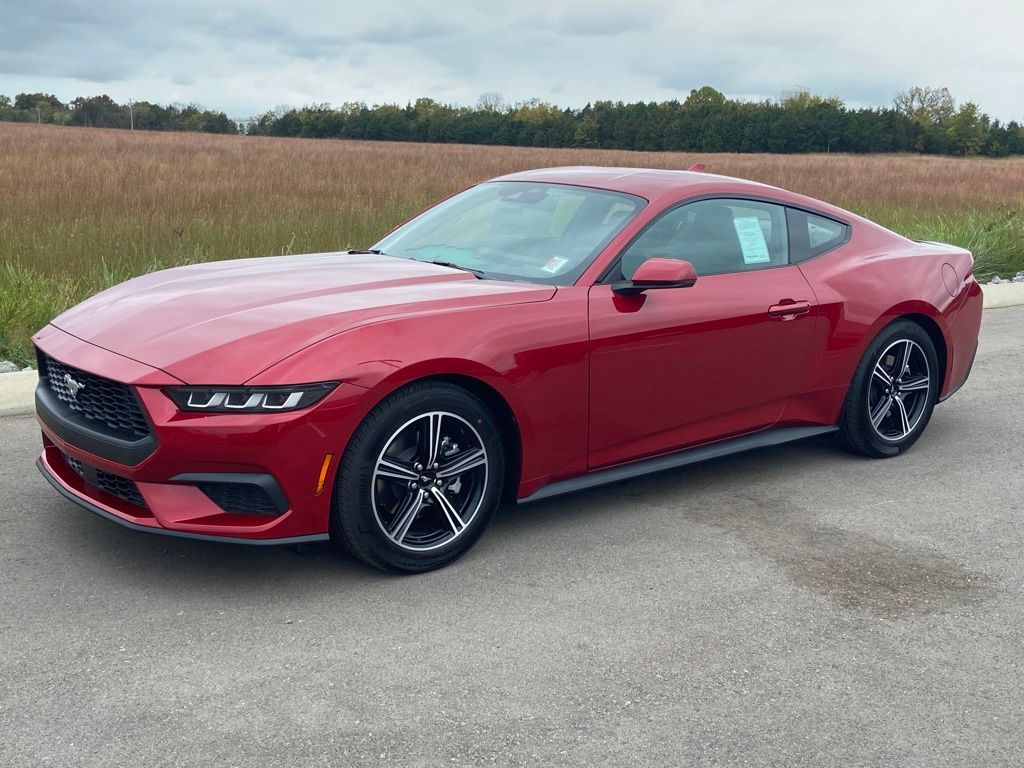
420	479
892	393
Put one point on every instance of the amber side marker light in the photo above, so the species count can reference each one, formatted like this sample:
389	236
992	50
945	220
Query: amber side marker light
323	472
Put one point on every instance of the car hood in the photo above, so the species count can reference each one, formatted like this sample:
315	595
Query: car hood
225	322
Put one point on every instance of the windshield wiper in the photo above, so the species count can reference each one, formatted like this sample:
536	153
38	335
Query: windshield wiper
378	252
480	275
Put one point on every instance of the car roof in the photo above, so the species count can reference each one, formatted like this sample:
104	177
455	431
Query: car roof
645	182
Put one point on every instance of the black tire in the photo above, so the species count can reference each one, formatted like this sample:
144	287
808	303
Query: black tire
420	530
881	419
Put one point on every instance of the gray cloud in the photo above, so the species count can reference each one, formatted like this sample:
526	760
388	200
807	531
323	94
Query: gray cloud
245	56
415	32
594	21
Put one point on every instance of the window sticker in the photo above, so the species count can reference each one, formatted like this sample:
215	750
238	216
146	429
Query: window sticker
554	265
755	249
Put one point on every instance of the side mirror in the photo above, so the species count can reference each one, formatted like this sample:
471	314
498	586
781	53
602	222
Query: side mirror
658	272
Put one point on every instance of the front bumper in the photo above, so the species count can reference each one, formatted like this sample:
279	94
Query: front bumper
84	497
169	480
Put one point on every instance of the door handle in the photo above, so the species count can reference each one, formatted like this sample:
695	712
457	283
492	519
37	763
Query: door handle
788	309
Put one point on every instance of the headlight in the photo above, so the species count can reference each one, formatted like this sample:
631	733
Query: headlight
249	399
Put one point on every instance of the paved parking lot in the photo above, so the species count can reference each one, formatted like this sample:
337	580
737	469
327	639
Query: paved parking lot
796	606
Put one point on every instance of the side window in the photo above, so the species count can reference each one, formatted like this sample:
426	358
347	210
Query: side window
716	236
812	235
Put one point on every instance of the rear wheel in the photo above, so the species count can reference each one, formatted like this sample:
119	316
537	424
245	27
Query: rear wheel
892	393
420	479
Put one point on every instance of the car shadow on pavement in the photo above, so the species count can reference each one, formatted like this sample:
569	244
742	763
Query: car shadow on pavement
160	558
847	543
152	559
754	499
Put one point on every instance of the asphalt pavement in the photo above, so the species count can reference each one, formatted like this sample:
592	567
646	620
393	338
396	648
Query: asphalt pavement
789	606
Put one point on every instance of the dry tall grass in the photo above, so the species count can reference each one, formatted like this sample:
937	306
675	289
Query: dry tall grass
81	208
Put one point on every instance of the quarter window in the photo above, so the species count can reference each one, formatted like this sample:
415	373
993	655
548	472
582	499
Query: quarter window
813	235
716	236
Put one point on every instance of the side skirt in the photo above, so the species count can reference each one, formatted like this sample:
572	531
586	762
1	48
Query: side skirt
678	459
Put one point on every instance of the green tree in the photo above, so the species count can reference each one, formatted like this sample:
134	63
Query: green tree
288	124
535	111
41	107
927	106
802	98
100	111
42	100
967	129
586	131
705	97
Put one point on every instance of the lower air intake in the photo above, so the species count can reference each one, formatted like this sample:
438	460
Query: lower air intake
240	498
115	485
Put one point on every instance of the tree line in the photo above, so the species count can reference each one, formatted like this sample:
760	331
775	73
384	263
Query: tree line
920	119
104	112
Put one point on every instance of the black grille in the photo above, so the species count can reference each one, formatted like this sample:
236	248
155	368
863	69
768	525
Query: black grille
115	485
74	463
240	498
104	401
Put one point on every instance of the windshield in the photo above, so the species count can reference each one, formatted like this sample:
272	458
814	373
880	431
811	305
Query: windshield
547	233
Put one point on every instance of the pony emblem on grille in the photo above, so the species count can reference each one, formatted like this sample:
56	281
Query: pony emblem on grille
73	386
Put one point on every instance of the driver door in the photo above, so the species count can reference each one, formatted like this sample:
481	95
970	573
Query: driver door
672	368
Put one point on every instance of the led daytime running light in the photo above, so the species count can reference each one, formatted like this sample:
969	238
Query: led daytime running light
213	399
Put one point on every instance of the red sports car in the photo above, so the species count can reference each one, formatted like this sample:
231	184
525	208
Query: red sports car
535	334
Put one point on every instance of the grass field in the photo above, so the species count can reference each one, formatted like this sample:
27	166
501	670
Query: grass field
81	209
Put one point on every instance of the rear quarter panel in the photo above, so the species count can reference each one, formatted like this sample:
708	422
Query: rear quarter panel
866	284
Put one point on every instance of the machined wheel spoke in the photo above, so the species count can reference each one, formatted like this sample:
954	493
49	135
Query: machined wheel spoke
904	374
881	410
449	511
901	369
431	447
914	383
463	462
904	418
396	470
421	496
405	516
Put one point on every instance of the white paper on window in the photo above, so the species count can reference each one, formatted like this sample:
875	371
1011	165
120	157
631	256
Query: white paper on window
752	242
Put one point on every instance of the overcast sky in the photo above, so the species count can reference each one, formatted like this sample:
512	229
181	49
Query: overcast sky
245	57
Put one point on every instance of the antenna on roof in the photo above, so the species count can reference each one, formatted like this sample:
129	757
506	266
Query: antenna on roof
696	168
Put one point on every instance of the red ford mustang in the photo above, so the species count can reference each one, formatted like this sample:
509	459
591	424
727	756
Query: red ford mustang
539	333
